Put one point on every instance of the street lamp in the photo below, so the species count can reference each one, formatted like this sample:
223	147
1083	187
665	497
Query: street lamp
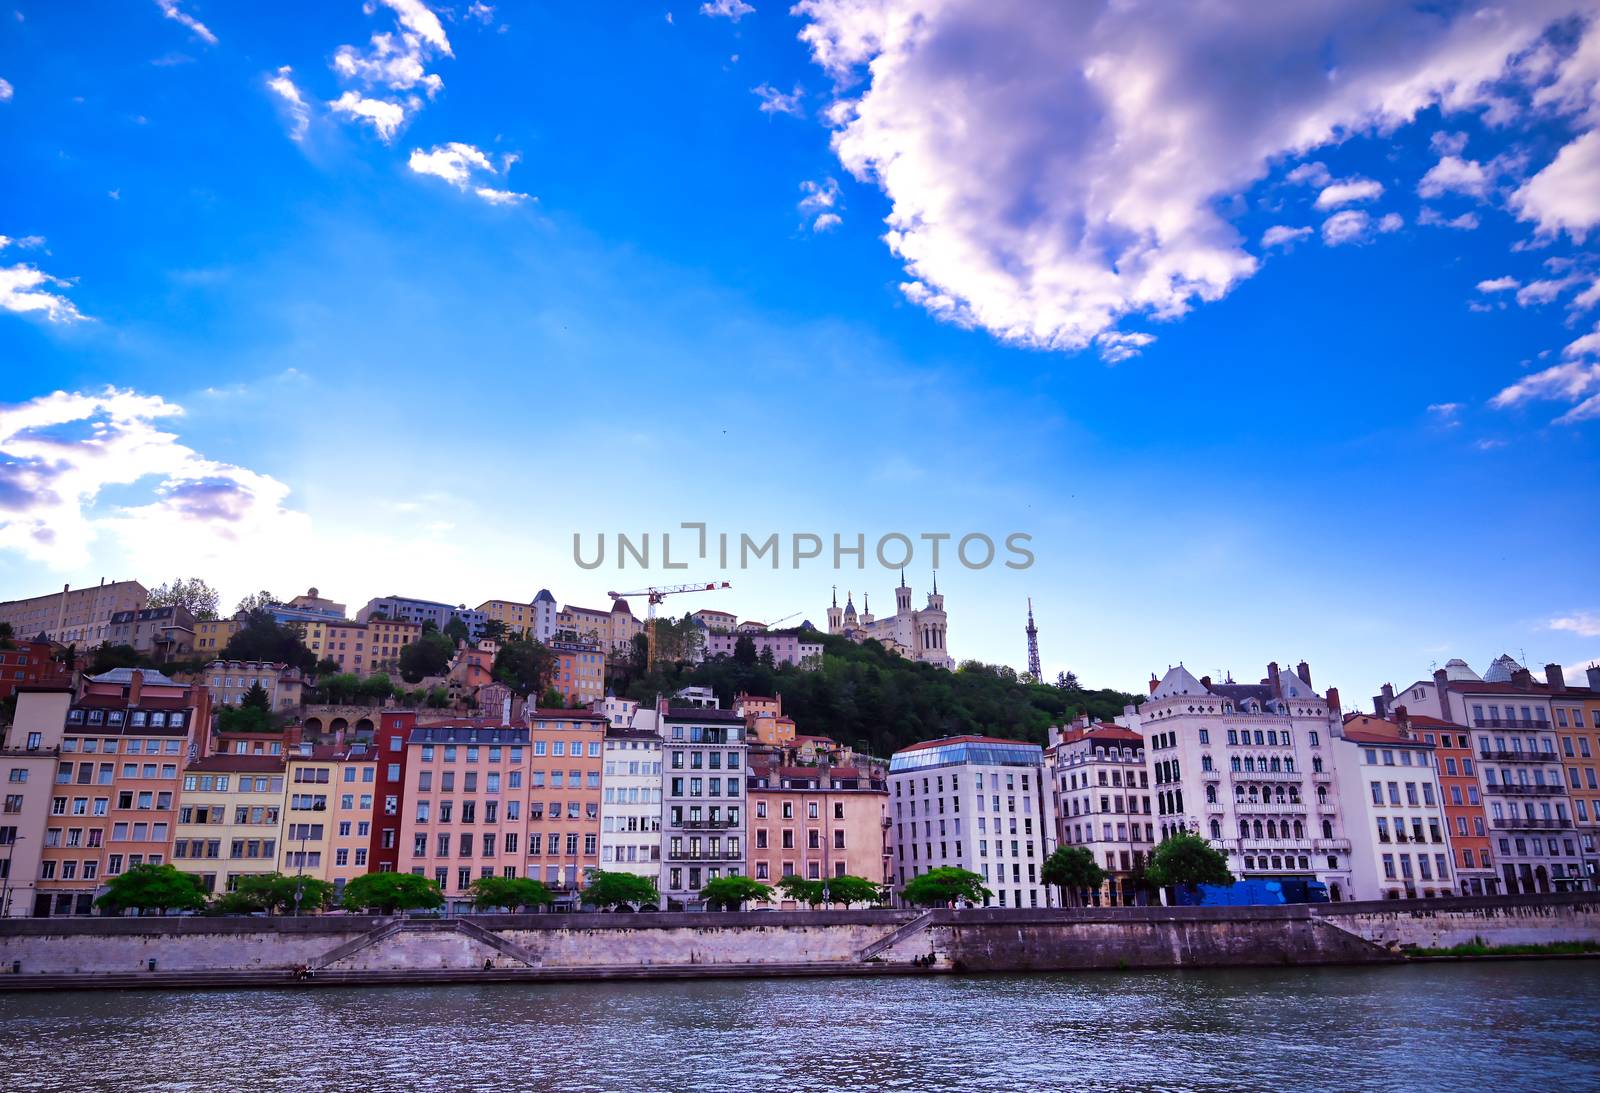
300	877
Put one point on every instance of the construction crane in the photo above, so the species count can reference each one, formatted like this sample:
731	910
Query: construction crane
654	596
773	625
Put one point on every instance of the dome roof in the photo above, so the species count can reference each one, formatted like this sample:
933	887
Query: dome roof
1500	671
1456	668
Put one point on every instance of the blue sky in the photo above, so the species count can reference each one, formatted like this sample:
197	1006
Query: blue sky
1275	333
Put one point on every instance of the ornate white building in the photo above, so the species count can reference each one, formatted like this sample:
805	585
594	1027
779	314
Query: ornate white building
919	635
1250	767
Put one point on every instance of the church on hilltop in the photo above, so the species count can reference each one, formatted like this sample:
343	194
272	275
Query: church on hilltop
918	635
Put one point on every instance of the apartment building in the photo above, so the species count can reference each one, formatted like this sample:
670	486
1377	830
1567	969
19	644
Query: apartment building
127	735
790	646
815	822
566	764
160	633
391	740
630	805
1577	719
1100	789
407	609
211	636
466	790
702	802
230	680
30	663
306	838
80	616
535	619
361	649
230	817
1509	715
580	671
1247	765
31	749
1393	804
355	803
978	803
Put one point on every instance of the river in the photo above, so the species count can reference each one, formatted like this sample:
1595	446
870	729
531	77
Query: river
1491	1026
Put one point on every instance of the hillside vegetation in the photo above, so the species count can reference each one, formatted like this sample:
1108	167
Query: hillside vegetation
877	702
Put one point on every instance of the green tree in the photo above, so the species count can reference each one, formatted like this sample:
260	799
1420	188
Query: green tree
105	657
152	888
192	594
553	698
387	893
847	890
327	666
524	666
1185	860
456	630
256	601
604	889
247	719
494	630
801	890
731	893
943	886
1073	870
744	650
438	698
377	687
509	892
256	698
5	636
339	687
276	893
429	655
262	637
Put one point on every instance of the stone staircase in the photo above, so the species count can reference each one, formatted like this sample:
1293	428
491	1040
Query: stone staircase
890	940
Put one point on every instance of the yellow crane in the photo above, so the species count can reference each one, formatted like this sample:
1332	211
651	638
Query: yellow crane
653	597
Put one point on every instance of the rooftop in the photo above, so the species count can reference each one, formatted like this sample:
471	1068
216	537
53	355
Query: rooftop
241	764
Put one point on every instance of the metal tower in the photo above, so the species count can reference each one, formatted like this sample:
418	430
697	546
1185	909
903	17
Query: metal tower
1033	644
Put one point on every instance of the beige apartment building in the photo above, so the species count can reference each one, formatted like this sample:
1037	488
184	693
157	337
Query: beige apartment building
80	617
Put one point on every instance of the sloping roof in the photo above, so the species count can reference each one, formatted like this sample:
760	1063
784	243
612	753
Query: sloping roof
1501	668
240	764
1178	681
152	678
1366	729
696	713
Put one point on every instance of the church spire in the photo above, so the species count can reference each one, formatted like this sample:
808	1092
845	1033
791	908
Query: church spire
836	595
902	576
936	582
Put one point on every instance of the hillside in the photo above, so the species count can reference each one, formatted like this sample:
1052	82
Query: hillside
878	703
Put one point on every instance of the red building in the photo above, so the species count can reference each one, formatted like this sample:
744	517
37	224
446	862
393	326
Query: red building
388	806
32	663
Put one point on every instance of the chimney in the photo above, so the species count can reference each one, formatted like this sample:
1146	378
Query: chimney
1333	698
1593	673
1441	683
135	687
1154	683
1272	679
1555	677
1303	670
1522	679
1402	719
1205	681
1383	700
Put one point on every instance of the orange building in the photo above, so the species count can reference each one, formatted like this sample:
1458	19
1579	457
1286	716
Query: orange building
115	803
1464	814
565	764
815	821
763	719
354	803
580	673
360	648
1577	717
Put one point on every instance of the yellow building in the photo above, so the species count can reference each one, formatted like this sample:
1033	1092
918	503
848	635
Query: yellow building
229	818
509	613
361	648
351	837
305	841
212	637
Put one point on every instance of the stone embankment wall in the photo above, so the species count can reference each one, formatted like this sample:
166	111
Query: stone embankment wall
830	942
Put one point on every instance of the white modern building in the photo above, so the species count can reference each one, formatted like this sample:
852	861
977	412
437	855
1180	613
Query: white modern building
630	806
1249	766
1393	807
977	803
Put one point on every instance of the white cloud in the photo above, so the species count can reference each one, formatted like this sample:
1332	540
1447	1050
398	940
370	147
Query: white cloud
1117	345
1589	297
1349	226
1499	284
420	20
1454	175
1448	144
172	11
458	163
1465	222
28	290
483	13
395	62
385	117
1446	412
1543	292
1391	222
1309	174
6	91
1575	381
1052	168
1565	196
774	101
1281	235
1349	191
1586	624
820	204
64	451
726	9
299	111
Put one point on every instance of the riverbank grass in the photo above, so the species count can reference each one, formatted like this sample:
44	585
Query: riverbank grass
1478	947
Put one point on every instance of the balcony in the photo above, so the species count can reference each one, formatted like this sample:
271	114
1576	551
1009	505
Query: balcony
1522	790
1517	756
1266	775
1529	823
1508	723
708	825
1325	845
704	855
1271	846
1263	808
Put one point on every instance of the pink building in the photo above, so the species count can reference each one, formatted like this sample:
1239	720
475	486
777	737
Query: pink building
787	646
465	804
